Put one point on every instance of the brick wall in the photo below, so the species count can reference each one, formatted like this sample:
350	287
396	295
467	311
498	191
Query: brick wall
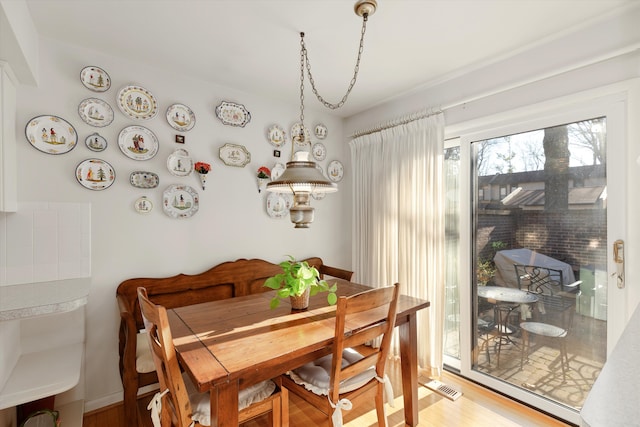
577	237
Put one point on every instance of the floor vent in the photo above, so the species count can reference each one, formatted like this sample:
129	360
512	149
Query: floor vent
443	389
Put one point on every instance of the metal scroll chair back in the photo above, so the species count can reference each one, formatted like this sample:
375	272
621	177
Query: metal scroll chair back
555	311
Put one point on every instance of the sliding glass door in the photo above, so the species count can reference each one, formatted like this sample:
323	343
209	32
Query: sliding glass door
530	225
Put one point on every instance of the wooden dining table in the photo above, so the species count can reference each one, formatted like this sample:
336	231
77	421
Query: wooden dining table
230	344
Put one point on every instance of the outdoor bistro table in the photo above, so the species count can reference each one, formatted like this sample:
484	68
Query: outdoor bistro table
230	344
509	299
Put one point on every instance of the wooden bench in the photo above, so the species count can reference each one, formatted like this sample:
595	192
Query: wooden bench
227	280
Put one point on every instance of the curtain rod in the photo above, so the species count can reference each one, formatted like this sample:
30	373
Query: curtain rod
397	122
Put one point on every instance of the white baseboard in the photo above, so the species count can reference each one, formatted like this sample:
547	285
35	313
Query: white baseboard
92	405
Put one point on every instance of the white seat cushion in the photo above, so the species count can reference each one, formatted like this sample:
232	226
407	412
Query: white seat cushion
144	358
315	376
201	405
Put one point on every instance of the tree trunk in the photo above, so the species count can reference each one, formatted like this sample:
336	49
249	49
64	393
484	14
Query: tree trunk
556	168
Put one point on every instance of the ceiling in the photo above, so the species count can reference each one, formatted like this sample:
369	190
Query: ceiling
254	45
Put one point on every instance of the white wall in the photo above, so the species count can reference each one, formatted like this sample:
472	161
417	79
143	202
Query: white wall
232	221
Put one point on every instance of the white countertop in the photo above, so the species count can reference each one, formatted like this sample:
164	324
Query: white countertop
35	299
613	400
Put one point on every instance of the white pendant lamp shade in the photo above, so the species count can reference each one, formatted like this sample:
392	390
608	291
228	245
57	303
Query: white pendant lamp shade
302	176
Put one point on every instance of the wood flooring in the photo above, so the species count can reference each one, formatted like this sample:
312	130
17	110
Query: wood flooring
478	407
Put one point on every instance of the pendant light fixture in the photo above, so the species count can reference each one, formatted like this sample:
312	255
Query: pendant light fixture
302	176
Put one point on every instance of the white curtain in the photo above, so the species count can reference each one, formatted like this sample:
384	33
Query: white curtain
398	221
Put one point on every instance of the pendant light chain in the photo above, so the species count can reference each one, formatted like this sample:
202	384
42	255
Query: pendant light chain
305	58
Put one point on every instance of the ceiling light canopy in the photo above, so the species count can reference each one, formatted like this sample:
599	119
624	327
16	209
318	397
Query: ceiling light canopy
302	176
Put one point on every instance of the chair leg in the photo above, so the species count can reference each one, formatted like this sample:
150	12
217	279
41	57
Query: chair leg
284	406
380	410
525	343
130	404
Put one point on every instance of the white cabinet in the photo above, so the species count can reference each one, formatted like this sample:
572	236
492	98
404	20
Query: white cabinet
8	169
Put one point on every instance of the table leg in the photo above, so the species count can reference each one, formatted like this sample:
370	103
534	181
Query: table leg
408	334
224	405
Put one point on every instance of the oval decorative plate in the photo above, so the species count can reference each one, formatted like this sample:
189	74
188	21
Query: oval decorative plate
95	174
51	134
180	201
295	134
276	136
335	171
234	155
143	205
95	142
180	117
179	163
95	79
319	151
138	142
95	112
137	102
321	131
278	204
233	114
143	179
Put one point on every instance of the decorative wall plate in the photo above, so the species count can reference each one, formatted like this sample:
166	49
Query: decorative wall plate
276	171
95	112
180	201
234	155
321	131
137	102
95	79
233	114
95	142
143	179
278	204
180	117
335	171
318	196
179	163
319	151
276	136
138	142
295	135
143	205
95	174
51	134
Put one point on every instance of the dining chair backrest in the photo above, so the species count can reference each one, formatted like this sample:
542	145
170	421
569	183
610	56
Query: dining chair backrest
166	362
361	318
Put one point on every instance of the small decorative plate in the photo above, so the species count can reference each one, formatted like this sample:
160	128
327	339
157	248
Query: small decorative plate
319	151
95	174
278	204
143	179
143	205
233	114
276	171
180	201
335	171
321	131
234	155
179	163
95	79
95	112
276	136
51	134
318	196
295	135
180	117
137	103
138	142
95	142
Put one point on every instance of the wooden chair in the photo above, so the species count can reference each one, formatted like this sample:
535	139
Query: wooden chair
178	403
346	377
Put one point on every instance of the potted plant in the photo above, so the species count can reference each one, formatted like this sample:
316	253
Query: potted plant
299	281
